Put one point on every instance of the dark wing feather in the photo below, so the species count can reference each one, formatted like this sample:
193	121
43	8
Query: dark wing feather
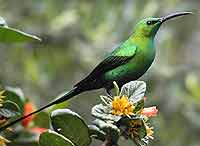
107	64
121	55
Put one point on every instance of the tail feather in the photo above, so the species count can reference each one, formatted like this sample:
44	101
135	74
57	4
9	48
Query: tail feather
67	95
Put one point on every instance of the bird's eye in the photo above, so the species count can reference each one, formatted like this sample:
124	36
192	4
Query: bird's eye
151	22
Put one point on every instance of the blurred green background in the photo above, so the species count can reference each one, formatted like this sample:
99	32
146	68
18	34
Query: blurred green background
77	34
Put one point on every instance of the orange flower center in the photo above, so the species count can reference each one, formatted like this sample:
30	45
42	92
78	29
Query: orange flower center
121	106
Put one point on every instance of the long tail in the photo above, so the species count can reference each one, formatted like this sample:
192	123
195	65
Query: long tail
75	91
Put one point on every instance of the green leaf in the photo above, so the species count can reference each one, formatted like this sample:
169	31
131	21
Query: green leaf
96	132
109	129
138	106
135	90
103	112
139	125
71	125
8	34
62	105
51	138
15	95
142	129
139	133
9	109
42	120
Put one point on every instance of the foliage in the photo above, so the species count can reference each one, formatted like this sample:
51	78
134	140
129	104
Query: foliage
71	125
10	35
71	129
14	105
12	100
57	139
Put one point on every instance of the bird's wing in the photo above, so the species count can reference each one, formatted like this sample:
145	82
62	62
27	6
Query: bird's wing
115	59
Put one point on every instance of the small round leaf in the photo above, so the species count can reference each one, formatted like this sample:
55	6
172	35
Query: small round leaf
42	120
109	129
71	125
9	109
96	132
51	138
15	95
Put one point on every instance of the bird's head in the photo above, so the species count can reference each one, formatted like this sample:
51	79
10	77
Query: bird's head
148	27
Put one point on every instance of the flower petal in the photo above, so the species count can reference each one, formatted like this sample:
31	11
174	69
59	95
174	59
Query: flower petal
28	108
38	130
150	111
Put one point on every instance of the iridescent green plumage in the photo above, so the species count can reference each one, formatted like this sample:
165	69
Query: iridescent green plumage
127	62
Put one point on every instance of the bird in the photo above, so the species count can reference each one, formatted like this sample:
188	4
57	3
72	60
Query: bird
127	62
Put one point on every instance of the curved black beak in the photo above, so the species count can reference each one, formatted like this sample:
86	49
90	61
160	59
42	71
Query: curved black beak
165	18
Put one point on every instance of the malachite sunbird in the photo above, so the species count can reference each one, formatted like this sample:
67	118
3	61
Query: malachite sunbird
129	61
